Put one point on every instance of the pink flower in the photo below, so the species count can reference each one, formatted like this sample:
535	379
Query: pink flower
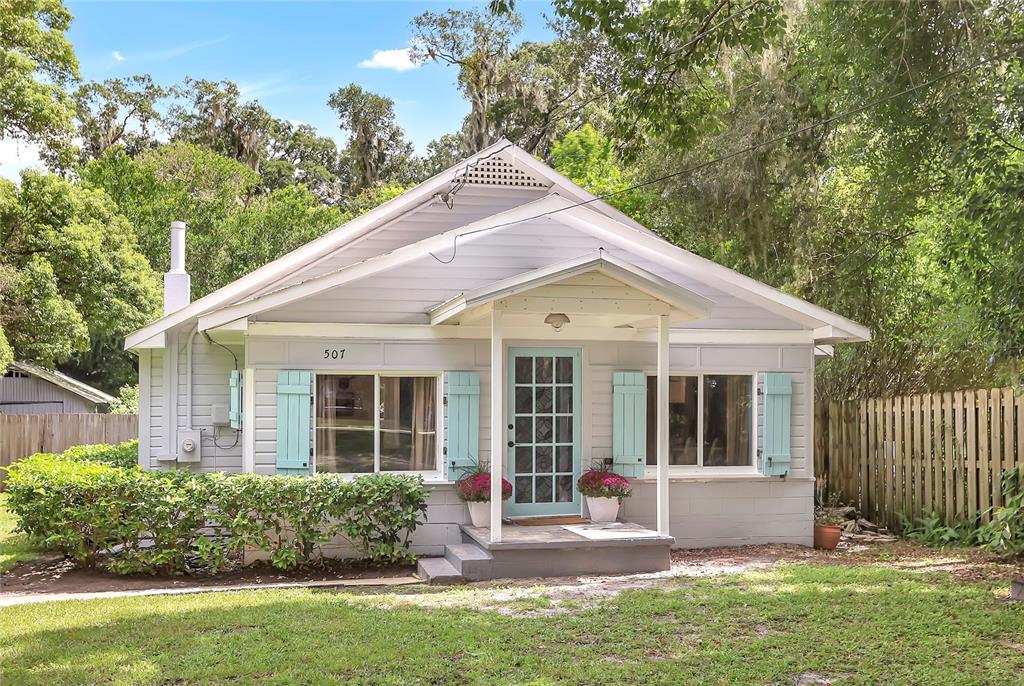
476	488
602	483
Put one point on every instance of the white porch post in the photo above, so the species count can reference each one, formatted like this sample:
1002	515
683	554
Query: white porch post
497	424
249	420
663	376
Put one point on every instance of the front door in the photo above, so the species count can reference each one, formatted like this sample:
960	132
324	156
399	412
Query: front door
544	406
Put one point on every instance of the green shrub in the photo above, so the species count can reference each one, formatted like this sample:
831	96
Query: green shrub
132	521
1003	533
121	455
933	531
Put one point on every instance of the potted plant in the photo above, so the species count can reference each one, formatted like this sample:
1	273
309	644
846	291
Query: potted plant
827	518
827	528
475	489
604	490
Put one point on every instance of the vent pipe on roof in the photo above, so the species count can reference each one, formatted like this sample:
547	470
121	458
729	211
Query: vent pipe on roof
177	282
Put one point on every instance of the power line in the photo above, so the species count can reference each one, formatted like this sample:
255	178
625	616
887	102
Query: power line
742	151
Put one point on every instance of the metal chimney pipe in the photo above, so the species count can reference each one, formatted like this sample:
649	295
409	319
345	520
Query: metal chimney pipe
178	247
177	282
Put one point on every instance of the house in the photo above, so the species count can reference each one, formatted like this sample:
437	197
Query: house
499	314
27	388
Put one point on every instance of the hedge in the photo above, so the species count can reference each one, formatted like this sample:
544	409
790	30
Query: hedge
121	455
133	521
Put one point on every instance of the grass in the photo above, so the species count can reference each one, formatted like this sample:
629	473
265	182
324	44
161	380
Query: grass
853	625
14	548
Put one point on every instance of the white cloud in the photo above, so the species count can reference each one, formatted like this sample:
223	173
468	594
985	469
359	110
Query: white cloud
118	57
396	60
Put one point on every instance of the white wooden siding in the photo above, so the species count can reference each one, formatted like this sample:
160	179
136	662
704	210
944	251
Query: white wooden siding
404	294
727	512
600	360
211	372
471	204
154	389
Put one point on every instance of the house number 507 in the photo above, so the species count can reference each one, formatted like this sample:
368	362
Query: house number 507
334	353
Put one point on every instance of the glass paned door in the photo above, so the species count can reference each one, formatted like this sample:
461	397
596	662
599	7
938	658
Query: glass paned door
544	430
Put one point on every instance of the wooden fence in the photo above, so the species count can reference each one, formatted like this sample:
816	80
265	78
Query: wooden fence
22	435
911	455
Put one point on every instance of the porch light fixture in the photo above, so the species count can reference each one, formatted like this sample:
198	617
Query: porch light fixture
557	320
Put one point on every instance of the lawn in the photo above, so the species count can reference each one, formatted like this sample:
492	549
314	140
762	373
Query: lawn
14	548
852	624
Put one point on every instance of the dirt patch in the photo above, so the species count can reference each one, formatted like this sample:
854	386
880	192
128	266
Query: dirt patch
54	575
520	596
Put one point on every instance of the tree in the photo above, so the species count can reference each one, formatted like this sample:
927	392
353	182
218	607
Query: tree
36	62
270	226
233	228
662	59
6	352
298	155
476	43
376	145
178	181
214	116
543	92
442	153
116	112
589	159
70	270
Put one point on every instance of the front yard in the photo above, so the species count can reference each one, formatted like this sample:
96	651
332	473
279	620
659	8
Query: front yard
817	619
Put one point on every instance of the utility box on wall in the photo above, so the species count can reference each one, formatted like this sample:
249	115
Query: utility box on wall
189	445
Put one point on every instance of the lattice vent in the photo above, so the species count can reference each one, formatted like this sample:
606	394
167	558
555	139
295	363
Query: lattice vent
496	171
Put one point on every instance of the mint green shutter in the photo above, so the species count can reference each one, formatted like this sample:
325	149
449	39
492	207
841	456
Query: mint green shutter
629	423
294	390
235	406
463	450
778	421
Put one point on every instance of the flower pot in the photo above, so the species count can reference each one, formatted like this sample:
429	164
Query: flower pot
826	537
603	509
480	514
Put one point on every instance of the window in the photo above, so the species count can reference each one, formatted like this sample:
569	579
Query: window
400	435
710	420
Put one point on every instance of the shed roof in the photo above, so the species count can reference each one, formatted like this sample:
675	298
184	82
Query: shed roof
64	381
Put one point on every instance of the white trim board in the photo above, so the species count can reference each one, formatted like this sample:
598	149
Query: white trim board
426	332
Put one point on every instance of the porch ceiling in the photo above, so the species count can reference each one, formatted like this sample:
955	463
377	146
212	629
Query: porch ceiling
597	290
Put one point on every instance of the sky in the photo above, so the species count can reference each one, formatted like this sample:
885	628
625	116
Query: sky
288	55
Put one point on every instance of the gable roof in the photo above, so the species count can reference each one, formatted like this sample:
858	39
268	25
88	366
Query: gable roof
687	302
64	381
827	326
471	169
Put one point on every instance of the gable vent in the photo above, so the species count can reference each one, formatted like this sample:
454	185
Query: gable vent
496	171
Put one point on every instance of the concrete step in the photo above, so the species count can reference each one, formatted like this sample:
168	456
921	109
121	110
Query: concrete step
472	561
438	570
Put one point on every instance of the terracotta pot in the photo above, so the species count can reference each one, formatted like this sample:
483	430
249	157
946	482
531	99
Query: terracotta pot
826	537
480	514
603	509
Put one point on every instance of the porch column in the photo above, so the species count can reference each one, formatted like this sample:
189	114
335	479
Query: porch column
662	429
497	424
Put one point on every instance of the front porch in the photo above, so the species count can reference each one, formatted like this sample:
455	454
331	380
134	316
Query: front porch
549	550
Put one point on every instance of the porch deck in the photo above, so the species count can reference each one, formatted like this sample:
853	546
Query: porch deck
566	536
550	550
